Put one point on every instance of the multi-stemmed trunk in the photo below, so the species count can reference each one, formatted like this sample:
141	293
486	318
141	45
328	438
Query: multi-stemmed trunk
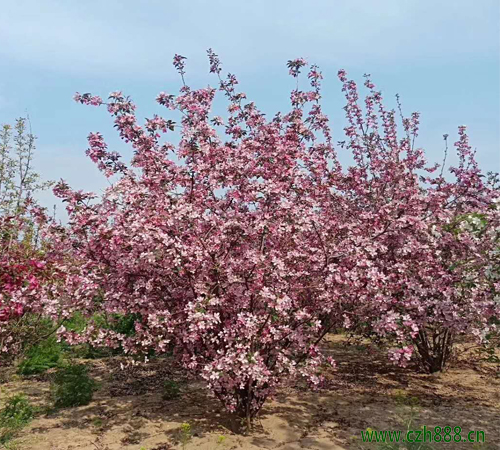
434	348
248	405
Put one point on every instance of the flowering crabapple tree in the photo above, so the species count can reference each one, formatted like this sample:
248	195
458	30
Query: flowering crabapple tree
427	320
212	243
481	223
421	274
28	265
243	245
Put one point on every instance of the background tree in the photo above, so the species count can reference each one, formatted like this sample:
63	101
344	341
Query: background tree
28	263
419	271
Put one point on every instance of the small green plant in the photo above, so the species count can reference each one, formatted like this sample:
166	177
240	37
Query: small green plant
97	422
185	434
221	439
41	357
17	413
402	398
171	390
72	386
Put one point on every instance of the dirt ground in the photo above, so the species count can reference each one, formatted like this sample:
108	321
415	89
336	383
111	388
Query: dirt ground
364	391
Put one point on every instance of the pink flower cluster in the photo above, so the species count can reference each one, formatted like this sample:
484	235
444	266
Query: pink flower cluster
401	356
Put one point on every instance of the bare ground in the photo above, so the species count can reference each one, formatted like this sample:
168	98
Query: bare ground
365	391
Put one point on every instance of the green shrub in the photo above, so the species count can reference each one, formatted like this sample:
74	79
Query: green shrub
17	413
171	390
124	324
72	386
41	357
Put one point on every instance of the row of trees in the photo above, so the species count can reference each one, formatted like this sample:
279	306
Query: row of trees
243	245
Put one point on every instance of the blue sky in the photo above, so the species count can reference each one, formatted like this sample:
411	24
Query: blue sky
442	57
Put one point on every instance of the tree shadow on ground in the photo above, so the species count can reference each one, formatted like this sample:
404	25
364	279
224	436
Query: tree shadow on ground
364	391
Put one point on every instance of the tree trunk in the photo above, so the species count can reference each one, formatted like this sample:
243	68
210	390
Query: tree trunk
434	348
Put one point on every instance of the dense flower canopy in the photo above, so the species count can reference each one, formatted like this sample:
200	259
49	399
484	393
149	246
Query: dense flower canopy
243	245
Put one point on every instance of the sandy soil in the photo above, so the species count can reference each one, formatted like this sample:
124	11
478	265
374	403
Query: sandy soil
365	391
